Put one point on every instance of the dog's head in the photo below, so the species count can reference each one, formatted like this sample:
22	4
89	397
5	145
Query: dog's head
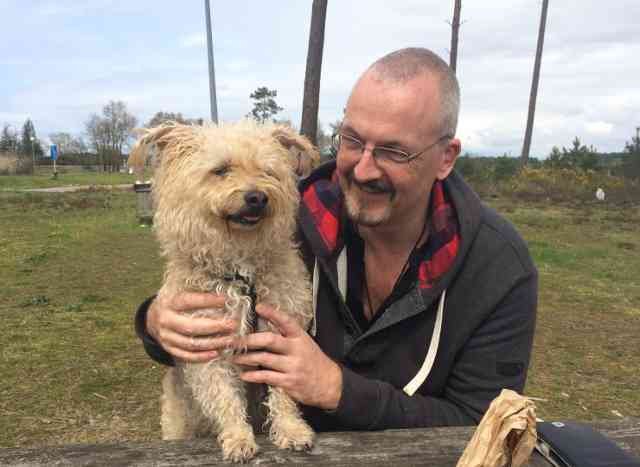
224	182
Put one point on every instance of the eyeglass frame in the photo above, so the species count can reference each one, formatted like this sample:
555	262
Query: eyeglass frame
405	157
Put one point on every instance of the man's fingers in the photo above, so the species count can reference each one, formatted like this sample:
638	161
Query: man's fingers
201	326
191	357
285	323
264	359
263	341
272	378
196	344
189	301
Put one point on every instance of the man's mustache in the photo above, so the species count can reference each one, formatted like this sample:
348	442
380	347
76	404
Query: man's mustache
373	186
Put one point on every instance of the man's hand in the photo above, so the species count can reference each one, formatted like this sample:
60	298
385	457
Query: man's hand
186	337
291	361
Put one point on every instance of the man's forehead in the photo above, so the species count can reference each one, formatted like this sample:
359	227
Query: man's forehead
409	106
424	78
423	89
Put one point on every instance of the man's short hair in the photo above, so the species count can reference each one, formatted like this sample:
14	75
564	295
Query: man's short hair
405	64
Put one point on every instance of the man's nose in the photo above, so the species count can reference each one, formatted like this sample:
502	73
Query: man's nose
367	168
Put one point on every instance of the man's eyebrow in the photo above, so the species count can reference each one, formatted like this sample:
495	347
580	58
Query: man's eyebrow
393	144
345	127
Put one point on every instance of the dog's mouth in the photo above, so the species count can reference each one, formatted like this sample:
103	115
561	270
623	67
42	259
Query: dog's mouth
247	216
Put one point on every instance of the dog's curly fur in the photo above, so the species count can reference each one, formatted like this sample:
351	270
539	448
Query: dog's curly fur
211	232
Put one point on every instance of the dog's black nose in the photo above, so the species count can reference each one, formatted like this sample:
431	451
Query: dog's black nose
256	199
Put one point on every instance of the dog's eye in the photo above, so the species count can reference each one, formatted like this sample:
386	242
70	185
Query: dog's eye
221	171
272	174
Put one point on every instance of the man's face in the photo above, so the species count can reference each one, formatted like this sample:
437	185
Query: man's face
401	116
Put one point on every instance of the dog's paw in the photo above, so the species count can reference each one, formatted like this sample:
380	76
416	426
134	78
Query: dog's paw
292	434
238	446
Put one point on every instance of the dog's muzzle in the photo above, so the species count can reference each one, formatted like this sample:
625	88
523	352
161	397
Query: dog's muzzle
253	210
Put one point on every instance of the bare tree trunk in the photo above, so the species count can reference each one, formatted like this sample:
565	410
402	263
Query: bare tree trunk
455	28
309	124
534	85
212	74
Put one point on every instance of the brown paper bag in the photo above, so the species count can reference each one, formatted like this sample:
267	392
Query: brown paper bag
506	434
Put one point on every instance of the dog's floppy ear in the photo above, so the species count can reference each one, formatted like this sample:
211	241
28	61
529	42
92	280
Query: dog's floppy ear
154	141
304	156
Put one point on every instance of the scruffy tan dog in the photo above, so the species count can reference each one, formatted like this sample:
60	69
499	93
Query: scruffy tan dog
226	200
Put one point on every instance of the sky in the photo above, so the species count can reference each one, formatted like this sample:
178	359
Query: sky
63	60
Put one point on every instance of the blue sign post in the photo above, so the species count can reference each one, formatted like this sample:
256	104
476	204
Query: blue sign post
53	152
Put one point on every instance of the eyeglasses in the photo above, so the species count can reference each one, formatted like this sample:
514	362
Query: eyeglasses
354	145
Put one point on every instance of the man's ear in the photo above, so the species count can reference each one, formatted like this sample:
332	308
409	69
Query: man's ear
451	152
304	156
153	143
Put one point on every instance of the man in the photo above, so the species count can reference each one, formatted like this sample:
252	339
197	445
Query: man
425	298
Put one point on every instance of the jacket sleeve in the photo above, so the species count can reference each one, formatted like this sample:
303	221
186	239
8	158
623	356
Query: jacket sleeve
496	356
153	349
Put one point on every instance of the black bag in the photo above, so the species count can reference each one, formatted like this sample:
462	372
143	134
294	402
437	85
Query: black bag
571	444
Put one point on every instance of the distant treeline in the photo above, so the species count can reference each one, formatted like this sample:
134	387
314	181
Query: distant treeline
618	164
81	159
555	179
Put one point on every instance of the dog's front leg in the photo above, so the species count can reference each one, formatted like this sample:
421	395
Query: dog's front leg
177	419
287	428
222	399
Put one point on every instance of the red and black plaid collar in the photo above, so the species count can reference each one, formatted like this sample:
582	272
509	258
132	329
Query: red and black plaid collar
444	238
324	202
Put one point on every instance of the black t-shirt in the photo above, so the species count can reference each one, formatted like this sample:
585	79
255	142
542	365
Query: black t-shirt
355	275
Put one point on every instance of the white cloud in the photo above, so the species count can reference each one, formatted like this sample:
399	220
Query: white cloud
198	39
77	57
598	128
237	65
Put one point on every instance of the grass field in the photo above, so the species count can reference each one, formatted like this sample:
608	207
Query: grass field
73	267
44	179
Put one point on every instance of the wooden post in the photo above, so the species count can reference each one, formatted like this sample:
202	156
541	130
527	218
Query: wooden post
534	85
455	29
212	75
144	205
310	101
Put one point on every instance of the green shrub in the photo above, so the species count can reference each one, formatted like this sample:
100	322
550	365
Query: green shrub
570	185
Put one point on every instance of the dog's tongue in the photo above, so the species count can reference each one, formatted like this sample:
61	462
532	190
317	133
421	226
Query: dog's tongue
247	219
247	216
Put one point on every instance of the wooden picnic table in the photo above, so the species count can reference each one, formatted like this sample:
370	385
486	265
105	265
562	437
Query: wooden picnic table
439	447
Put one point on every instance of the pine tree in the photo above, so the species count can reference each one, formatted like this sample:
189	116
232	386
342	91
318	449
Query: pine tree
264	105
8	140
632	157
578	156
28	132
